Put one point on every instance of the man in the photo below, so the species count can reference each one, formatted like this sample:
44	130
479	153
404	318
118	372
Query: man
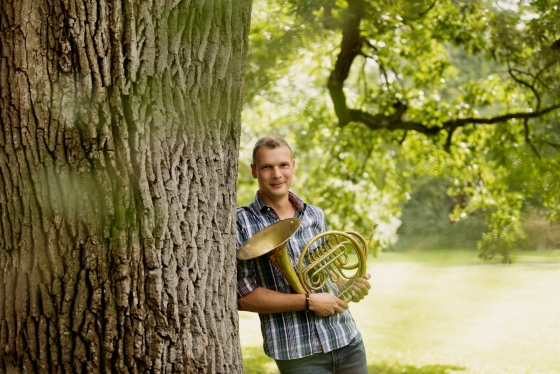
303	333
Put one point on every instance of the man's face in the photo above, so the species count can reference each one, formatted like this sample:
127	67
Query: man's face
273	169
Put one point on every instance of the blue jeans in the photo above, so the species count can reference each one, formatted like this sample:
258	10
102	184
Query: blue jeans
346	360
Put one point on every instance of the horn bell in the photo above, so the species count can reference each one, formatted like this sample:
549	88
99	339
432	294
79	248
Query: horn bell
272	241
268	239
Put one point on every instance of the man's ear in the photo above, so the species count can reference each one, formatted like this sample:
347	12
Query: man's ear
254	171
294	164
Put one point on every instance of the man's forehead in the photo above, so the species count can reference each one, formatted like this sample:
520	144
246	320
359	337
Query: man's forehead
277	154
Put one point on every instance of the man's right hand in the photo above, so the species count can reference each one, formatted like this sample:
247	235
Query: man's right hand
326	304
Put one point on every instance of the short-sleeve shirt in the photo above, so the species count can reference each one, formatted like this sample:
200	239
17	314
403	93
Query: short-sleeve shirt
289	335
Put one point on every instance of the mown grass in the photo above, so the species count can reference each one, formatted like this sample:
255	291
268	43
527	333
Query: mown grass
436	312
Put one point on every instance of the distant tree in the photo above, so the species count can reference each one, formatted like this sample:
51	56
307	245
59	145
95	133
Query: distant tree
120	126
378	94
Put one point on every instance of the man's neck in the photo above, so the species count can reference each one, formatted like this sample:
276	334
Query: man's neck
283	207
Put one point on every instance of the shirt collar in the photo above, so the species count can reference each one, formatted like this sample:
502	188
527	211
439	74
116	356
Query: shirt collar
259	205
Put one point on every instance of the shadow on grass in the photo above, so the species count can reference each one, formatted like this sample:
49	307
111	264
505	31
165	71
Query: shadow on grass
256	362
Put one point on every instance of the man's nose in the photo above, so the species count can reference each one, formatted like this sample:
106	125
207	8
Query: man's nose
276	172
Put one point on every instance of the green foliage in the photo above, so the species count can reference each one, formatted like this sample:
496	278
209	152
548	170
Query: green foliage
428	62
426	220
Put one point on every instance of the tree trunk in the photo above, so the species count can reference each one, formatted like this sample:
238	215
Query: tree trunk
118	162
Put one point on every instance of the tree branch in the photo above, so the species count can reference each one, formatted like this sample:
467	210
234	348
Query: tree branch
528	137
448	141
555	145
378	122
512	71
350	47
396	122
498	119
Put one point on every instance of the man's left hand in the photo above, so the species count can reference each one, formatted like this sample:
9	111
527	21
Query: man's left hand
360	288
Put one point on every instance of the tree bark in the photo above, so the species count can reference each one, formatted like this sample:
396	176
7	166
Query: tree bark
118	163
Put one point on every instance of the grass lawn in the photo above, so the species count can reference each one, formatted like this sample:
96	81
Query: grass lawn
436	312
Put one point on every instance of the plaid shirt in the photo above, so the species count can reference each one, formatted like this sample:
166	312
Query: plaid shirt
294	334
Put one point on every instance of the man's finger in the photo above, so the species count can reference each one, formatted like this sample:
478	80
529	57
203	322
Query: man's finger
356	297
362	282
365	280
360	290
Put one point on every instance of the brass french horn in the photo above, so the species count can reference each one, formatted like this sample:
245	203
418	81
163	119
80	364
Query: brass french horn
325	257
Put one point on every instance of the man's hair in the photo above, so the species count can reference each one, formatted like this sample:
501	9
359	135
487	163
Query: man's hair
270	142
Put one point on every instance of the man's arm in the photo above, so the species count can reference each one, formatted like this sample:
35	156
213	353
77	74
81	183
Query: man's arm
265	301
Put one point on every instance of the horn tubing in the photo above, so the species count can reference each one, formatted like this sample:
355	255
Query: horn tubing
279	257
326	259
326	250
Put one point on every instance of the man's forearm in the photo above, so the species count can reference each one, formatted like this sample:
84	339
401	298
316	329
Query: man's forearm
265	301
